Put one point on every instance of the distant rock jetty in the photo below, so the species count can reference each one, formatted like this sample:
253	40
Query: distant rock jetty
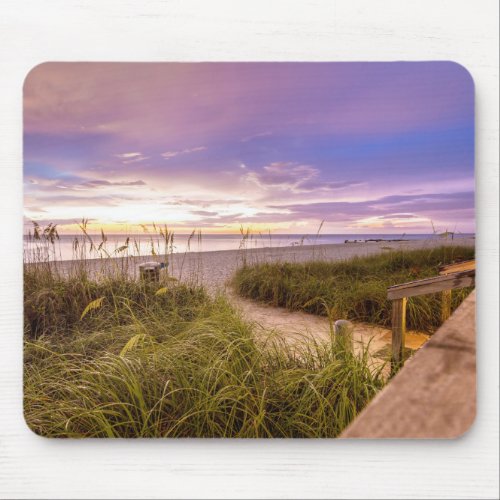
374	240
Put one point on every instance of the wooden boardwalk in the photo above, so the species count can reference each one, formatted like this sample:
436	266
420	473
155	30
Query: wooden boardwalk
434	394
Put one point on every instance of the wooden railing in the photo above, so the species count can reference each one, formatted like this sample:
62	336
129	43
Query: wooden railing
458	275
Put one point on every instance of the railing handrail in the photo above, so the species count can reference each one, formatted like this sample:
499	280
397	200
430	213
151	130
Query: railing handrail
435	284
464	265
457	275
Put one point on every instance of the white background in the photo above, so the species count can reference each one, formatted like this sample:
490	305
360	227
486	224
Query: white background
33	31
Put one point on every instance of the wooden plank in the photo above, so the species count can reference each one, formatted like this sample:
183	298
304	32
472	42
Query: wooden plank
434	396
398	333
432	285
445	305
465	265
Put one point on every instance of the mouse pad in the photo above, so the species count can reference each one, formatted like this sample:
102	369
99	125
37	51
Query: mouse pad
249	250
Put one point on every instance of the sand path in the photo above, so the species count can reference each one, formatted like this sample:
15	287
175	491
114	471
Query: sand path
296	326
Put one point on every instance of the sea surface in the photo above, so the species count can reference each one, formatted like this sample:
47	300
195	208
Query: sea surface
65	248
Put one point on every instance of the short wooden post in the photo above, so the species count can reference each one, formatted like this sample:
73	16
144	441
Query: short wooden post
149	271
445	305
398	332
343	334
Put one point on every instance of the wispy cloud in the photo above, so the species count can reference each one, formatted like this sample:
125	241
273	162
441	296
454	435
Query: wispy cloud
80	184
398	216
32	208
283	175
104	183
294	177
171	154
258	135
131	157
389	207
126	156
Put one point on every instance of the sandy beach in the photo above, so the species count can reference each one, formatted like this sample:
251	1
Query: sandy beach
214	269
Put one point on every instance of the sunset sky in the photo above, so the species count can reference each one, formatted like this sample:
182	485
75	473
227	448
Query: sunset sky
366	147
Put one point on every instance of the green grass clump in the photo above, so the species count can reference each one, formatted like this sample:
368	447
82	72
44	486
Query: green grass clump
354	289
54	302
116	357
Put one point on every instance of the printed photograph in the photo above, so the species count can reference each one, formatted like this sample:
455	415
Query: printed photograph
249	250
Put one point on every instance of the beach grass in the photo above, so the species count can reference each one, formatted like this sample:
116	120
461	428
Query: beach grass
354	289
110	356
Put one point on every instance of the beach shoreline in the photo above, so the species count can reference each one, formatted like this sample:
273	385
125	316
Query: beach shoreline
213	269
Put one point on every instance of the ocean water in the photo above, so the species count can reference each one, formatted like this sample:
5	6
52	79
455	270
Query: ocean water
142	244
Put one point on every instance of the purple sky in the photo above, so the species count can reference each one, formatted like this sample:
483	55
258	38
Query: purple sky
366	147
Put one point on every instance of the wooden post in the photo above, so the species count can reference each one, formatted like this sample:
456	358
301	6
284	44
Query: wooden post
343	334
149	271
398	333
445	305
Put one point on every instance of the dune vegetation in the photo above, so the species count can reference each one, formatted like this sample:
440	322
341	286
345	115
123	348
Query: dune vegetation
111	356
355	289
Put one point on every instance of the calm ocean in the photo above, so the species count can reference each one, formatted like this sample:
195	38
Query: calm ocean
214	242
